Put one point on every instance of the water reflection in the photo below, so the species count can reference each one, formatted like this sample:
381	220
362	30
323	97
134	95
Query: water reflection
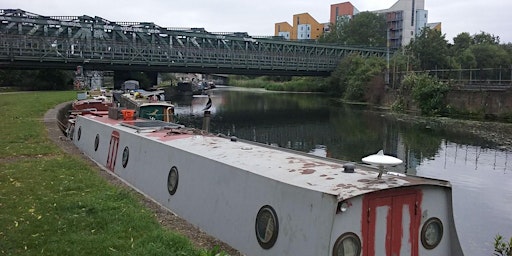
480	172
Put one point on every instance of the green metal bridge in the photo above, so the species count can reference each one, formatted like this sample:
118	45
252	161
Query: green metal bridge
29	40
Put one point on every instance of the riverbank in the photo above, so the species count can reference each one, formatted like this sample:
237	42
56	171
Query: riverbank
495	132
295	84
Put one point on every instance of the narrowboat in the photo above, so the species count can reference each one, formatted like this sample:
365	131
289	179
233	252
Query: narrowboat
263	200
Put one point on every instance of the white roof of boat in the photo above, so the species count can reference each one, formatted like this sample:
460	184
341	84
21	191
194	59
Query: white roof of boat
294	168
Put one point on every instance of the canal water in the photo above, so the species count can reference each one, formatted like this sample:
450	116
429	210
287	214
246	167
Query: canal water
480	172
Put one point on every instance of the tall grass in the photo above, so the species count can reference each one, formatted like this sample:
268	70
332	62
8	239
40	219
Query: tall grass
52	203
296	84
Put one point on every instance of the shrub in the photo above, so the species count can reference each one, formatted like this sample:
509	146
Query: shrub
427	92
501	247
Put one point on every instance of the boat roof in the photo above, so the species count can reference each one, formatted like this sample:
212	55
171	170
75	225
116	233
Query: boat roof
295	168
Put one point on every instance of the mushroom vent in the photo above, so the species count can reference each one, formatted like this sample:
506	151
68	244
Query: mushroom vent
349	168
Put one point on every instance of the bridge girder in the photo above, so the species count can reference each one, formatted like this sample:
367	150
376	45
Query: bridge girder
30	39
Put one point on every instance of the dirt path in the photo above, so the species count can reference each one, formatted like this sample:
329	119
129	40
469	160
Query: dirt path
169	220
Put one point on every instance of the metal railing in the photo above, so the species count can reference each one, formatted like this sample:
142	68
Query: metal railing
483	78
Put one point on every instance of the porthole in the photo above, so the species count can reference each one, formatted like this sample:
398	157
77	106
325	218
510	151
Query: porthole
79	132
267	227
96	142
347	244
431	233
126	155
172	180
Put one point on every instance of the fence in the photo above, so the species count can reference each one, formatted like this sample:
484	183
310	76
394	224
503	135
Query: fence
477	78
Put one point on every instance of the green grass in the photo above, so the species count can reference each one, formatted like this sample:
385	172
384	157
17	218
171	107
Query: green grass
296	84
52	203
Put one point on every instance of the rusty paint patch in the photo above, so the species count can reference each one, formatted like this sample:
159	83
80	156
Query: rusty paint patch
308	171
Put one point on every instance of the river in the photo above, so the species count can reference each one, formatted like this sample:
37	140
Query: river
480	171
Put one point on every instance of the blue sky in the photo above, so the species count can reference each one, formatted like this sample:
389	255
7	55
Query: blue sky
258	17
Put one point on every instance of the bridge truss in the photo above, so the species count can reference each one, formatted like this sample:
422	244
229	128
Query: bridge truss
29	40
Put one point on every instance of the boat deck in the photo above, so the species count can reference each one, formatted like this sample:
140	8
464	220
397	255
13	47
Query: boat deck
302	170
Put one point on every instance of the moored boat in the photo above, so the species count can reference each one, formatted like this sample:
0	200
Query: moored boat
148	105
92	104
263	200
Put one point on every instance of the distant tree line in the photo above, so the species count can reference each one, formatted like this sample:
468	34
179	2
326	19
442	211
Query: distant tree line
44	79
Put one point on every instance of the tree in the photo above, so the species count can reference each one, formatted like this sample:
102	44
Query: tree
337	82
365	28
53	79
462	42
485	38
335	35
490	56
466	59
431	49
45	79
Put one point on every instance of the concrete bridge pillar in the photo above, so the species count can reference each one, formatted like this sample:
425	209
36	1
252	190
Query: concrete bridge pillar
146	79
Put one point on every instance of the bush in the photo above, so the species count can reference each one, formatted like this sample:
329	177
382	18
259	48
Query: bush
501	247
427	92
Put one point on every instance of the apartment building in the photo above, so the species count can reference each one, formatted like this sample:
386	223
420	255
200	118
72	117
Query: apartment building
405	20
304	27
342	12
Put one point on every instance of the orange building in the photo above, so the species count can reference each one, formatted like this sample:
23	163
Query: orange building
304	27
435	26
283	29
344	11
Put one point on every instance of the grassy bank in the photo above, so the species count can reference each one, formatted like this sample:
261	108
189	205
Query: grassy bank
296	84
53	203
